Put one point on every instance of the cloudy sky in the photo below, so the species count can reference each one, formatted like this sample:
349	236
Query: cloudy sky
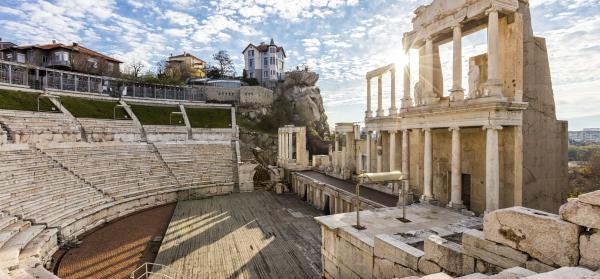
340	39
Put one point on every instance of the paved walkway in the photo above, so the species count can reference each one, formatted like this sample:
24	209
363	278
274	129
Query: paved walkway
367	193
243	235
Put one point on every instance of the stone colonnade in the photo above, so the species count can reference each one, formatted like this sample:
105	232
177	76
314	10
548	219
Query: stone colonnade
343	154
324	196
290	151
492	163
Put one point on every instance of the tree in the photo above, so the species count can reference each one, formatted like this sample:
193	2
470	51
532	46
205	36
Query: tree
135	68
212	72
224	63
595	162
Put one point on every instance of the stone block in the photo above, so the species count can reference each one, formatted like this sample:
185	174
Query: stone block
537	266
475	245
468	264
428	267
589	247
580	213
392	249
592	198
567	272
383	268
446	254
439	275
474	276
542	235
513	273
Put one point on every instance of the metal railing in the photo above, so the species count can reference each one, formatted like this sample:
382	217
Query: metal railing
40	78
150	270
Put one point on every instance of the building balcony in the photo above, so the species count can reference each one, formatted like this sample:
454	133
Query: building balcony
57	63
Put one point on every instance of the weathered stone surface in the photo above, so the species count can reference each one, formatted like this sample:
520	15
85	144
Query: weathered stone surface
514	272
475	245
589	247
537	266
383	268
387	247
567	272
473	276
542	235
439	275
468	264
446	254
428	267
592	198
580	213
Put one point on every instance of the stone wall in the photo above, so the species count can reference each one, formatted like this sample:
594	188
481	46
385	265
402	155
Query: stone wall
212	134
164	133
243	96
530	240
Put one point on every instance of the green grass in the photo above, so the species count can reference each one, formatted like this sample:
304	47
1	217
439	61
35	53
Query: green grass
156	115
81	107
209	117
14	100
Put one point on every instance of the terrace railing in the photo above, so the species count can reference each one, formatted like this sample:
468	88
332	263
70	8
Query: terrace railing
24	75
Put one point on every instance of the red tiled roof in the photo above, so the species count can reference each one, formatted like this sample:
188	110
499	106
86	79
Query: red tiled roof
74	47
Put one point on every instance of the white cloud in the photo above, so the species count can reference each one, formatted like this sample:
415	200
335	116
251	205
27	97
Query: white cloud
180	18
10	11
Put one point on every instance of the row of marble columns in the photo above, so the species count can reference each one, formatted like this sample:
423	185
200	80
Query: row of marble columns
493	84
286	146
492	164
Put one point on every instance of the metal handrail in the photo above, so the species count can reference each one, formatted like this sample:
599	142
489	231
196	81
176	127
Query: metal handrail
149	271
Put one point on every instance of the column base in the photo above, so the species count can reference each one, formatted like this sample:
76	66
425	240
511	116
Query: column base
393	112
368	114
457	206
457	94
380	113
426	199
406	103
493	88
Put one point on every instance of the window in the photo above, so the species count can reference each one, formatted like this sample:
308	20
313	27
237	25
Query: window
44	59
20	58
92	63
266	61
61	56
272	60
272	49
266	74
251	63
110	67
9	56
251	75
251	53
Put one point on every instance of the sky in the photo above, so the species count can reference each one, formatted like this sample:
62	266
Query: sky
339	39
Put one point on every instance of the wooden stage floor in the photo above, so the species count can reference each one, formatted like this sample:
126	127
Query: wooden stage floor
243	235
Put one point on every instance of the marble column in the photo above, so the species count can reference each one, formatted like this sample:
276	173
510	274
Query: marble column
406	100
428	86
392	150
290	146
405	152
280	147
427	166
369	139
492	169
457	92
284	148
379	152
379	96
494	83
368	113
393	109
456	173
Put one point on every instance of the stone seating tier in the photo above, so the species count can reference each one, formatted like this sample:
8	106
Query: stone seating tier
23	122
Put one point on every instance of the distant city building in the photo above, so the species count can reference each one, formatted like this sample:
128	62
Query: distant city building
586	136
4	45
264	62
74	57
187	65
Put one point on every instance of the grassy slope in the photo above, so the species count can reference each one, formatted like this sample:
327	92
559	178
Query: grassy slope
209	117
87	108
15	100
149	115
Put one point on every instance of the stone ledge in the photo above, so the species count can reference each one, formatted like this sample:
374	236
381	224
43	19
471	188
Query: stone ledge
475	245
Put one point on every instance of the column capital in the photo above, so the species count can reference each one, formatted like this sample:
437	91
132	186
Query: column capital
392	132
457	25
426	129
492	9
380	77
393	70
492	127
454	128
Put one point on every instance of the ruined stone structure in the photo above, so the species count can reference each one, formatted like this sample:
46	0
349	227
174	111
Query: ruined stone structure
496	145
344	158
292	147
515	242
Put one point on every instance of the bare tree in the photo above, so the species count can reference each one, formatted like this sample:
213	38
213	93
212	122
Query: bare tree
595	162
224	63
135	68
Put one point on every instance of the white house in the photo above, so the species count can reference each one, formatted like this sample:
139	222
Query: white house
264	62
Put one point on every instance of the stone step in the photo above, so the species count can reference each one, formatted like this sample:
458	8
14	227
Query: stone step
9	252
7	221
20	273
10	231
40	247
40	272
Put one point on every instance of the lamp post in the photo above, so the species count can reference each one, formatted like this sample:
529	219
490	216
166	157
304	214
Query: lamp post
393	177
